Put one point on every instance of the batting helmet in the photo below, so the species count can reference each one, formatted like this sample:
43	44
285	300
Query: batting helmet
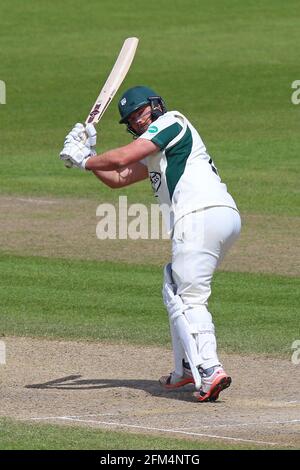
135	98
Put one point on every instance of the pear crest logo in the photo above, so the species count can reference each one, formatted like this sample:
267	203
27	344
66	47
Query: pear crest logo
155	179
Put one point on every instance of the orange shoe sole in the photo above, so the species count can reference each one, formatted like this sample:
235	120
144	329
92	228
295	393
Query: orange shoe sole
220	384
181	383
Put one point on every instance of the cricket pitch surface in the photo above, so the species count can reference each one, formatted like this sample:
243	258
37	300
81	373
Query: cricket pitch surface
116	387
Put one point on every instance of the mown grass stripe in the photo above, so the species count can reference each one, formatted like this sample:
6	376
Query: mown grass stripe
107	301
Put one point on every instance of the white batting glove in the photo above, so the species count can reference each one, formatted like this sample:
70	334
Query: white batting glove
86	134
77	153
77	133
91	133
79	145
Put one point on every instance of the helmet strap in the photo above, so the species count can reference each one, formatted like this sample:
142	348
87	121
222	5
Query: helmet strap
131	131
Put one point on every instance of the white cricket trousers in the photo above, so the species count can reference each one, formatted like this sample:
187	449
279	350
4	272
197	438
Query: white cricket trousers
200	242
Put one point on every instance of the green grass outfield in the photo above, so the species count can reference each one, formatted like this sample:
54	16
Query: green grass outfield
24	436
228	65
122	303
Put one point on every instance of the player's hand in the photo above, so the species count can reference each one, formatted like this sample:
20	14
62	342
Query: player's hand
80	133
91	134
77	153
76	134
79	144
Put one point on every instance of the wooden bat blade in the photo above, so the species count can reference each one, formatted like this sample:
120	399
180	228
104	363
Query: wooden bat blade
114	80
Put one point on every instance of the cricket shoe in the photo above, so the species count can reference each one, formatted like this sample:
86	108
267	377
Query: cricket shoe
213	381
173	380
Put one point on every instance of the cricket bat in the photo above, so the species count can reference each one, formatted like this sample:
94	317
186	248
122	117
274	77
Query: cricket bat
115	78
113	82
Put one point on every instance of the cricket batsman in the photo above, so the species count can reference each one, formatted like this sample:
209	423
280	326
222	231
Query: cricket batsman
202	219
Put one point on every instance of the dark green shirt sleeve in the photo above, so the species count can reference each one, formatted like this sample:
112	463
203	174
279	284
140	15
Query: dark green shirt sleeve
164	137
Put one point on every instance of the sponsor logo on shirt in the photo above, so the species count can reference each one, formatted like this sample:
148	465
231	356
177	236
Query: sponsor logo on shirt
152	129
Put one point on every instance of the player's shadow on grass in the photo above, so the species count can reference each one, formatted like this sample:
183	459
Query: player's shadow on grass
74	382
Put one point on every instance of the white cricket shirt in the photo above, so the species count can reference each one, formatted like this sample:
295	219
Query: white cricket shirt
182	174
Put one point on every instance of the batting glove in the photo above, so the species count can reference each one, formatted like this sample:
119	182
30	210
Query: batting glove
79	145
91	134
77	153
76	134
79	133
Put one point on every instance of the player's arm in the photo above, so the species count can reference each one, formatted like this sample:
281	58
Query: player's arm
121	157
79	152
124	176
